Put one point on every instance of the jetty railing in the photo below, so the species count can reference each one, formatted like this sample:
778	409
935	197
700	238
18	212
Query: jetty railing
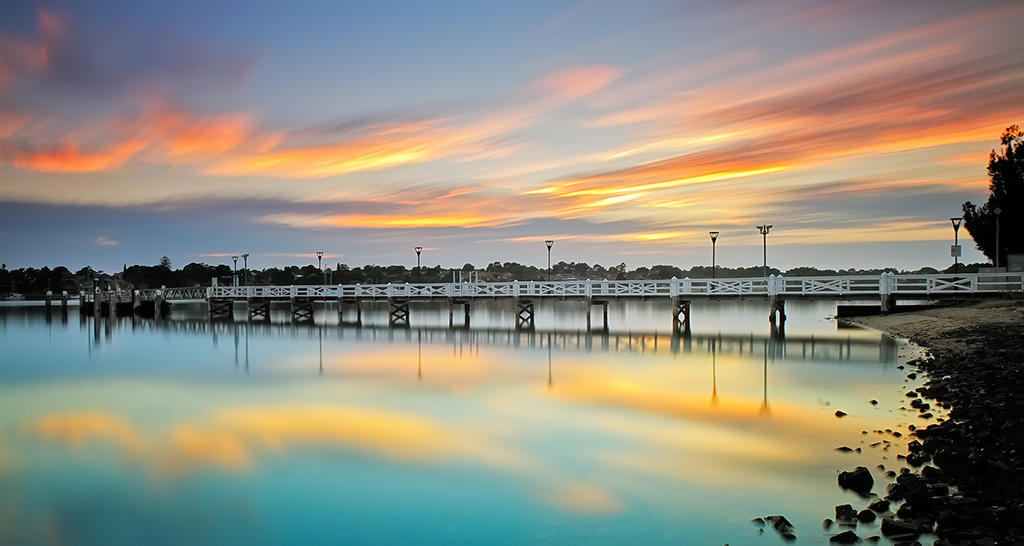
772	286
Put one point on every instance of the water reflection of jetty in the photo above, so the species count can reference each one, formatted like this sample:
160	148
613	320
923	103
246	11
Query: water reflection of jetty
773	345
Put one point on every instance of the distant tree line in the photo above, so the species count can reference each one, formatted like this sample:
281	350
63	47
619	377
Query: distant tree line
34	282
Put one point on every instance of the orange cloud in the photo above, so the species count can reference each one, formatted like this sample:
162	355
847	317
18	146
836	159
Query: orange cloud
576	82
381	221
67	158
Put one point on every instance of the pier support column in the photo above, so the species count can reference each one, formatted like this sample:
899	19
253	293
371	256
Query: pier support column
64	302
259	310
604	314
301	310
777	310
451	312
888	304
681	317
221	309
525	315
399	313
49	301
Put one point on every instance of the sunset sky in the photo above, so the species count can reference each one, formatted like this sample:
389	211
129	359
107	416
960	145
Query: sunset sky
624	131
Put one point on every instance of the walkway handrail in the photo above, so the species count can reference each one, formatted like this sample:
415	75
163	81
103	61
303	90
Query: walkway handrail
788	287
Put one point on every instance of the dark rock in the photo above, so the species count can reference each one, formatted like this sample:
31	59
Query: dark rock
781	524
844	449
858	480
840	413
845	512
926	415
894	528
826	524
912	375
757	521
918	458
873	402
866	516
846	537
880	505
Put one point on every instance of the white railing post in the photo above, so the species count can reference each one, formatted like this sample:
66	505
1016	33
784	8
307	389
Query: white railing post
589	289
387	290
673	287
771	285
358	290
515	288
292	291
687	288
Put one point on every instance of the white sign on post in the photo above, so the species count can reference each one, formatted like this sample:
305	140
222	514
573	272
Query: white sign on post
954	251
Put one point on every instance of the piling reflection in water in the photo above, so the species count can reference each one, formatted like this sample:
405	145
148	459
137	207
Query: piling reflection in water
470	423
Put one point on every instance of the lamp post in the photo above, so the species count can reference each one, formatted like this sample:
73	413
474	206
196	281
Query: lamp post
997	212
319	263
955	251
418	249
764	229
549	243
714	237
245	269
234	281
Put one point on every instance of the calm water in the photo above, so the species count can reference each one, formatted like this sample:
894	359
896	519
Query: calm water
181	431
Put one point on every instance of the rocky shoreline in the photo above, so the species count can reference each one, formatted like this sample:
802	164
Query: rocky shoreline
965	476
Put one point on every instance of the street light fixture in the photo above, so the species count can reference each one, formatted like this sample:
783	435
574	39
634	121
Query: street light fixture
764	229
549	243
955	250
418	249
245	269
319	263
714	237
997	212
234	281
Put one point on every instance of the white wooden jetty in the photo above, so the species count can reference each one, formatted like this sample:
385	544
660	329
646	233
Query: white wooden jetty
887	289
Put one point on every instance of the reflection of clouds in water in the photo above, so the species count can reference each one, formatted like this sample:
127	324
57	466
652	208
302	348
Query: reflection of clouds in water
583	498
77	428
235	439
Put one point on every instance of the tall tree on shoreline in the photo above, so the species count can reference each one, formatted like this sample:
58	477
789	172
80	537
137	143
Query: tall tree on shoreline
1006	187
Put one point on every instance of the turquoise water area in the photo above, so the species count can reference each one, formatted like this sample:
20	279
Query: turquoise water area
182	431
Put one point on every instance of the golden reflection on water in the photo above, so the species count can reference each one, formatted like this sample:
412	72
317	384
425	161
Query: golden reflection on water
579	428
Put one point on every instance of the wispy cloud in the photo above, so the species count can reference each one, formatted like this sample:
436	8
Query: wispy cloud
103	240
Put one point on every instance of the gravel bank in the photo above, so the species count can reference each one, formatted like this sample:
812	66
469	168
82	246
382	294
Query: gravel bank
966	482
